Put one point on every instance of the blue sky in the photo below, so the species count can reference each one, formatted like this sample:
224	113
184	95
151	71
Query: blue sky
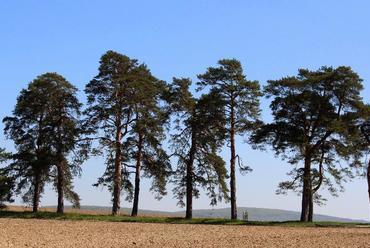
271	38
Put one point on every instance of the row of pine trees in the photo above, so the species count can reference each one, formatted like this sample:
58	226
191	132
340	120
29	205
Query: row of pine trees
146	127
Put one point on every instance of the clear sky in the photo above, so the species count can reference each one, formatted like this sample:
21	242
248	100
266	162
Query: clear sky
272	39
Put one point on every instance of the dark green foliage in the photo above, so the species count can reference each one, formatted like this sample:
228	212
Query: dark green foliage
44	130
200	135
6	189
65	141
123	108
147	132
240	98
236	92
110	112
364	141
4	156
315	118
6	182
30	131
365	129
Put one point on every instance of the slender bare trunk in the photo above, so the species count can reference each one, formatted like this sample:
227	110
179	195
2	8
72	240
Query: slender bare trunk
234	214
117	181
307	191
189	179
317	187
37	179
37	192
365	131
189	192
310	212
135	207
60	187
368	179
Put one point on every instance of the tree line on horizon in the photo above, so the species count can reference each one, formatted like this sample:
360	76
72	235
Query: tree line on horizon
321	126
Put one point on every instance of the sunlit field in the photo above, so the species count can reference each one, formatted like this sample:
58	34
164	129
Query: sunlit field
97	229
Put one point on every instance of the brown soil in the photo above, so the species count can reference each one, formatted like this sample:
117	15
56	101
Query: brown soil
51	233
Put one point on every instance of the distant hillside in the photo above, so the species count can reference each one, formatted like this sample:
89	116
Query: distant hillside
265	214
255	214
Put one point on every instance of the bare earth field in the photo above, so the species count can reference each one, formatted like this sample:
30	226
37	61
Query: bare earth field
52	233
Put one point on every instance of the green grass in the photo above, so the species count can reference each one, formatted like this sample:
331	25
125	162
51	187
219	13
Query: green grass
168	220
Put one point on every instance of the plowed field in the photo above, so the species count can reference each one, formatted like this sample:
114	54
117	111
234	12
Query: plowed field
52	233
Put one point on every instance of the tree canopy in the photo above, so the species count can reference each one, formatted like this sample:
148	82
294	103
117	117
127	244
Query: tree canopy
30	131
314	113
199	137
43	128
6	182
123	102
66	139
147	133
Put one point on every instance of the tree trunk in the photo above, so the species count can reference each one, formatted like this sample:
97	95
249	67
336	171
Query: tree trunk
368	179
234	214
189	179
37	182
310	212
317	187
36	193
135	207
189	191
307	190
117	181
60	187
365	127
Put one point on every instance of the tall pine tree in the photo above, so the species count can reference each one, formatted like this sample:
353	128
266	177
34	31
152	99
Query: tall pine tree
199	137
29	128
44	130
112	110
147	132
66	138
315	114
241	109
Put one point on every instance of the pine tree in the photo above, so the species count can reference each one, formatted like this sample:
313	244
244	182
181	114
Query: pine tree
199	137
112	97
315	114
45	129
67	131
30	130
147	132
241	109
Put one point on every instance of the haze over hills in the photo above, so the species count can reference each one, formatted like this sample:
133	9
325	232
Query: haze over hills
254	214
